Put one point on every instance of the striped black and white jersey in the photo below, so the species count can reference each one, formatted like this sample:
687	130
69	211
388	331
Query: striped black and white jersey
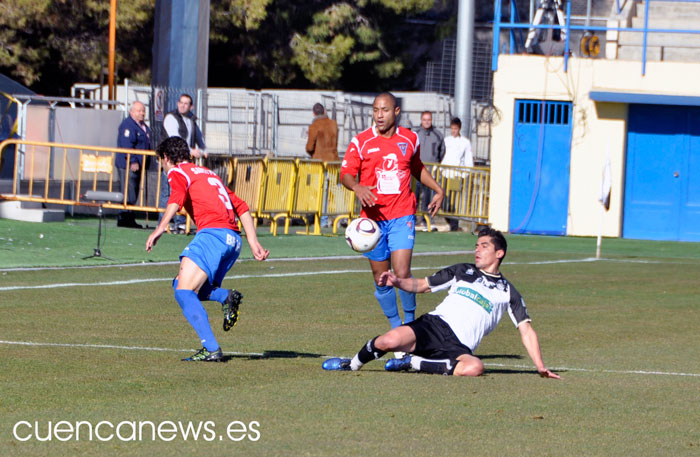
475	301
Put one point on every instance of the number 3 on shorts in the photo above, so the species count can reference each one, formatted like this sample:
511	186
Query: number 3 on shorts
223	195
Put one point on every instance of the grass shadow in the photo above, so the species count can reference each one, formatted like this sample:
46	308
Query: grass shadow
500	356
273	354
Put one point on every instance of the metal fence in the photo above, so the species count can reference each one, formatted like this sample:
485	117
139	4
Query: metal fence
275	189
240	122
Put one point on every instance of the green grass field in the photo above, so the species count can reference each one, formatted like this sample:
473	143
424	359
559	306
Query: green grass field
104	344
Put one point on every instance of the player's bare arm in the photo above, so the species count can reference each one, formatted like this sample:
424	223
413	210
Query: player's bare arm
531	343
170	211
436	202
417	286
259	253
363	193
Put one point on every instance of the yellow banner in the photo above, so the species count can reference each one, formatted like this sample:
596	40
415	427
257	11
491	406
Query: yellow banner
95	164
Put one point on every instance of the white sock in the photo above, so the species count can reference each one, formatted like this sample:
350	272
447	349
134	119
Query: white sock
355	363
415	362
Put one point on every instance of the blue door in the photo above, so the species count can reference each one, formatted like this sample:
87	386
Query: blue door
662	173
539	184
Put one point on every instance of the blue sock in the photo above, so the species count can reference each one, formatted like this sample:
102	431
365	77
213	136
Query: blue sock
386	296
196	315
218	294
408	302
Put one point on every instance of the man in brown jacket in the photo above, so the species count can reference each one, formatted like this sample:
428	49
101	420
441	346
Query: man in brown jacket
323	136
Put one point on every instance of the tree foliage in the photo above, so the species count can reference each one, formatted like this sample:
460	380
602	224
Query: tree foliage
49	44
345	44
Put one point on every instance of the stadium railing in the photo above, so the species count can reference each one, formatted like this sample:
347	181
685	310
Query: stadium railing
58	173
275	189
466	193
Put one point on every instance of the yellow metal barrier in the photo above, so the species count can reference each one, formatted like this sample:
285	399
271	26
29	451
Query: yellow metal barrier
340	202
308	193
466	192
247	179
278	193
55	169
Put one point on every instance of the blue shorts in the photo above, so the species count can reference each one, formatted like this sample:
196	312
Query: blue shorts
214	251
396	234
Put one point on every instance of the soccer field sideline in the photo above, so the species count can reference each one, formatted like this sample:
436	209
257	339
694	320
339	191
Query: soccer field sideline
262	355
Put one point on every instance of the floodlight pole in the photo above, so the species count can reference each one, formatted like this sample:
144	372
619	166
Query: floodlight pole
112	41
463	70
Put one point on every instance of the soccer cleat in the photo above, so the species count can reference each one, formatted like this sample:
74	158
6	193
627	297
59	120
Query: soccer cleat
205	356
337	364
230	308
403	364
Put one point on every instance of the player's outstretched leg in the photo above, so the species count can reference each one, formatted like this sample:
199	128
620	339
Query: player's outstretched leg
368	353
230	308
442	366
337	364
398	364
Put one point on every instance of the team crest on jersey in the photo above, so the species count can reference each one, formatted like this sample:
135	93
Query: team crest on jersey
402	147
470	271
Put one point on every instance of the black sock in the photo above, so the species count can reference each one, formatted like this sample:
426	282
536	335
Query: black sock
370	352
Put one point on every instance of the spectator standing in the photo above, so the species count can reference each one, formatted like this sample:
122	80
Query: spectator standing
458	153
432	150
181	123
133	134
322	144
323	136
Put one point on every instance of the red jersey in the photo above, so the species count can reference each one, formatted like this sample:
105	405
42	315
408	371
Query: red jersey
388	164
205	197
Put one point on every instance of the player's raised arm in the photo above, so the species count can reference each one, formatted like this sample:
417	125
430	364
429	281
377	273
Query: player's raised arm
259	253
408	284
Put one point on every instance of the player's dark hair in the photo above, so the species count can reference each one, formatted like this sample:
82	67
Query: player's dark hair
389	95
497	238
318	109
456	121
175	149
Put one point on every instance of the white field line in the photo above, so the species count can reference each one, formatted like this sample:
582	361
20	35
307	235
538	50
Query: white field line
278	275
337	257
175	262
260	354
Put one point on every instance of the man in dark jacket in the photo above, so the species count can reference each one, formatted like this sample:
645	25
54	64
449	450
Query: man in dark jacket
133	134
432	150
181	123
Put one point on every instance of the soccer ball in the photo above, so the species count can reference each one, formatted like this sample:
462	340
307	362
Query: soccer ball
362	234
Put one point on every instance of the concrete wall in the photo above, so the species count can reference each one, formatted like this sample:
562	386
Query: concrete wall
80	126
597	127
